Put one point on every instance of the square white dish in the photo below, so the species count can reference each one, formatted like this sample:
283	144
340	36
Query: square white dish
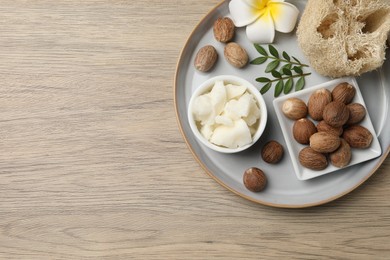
286	124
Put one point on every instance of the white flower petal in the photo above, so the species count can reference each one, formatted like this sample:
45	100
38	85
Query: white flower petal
262	30
285	16
242	13
258	4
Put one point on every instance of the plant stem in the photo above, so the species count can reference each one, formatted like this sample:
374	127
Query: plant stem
292	76
291	62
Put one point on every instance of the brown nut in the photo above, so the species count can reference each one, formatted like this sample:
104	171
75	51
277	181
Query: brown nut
312	159
344	93
342	156
356	113
322	126
272	152
236	55
358	136
254	179
303	129
294	108
336	114
205	58
223	29
324	142
317	102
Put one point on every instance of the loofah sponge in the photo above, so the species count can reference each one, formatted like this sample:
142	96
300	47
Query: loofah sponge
344	37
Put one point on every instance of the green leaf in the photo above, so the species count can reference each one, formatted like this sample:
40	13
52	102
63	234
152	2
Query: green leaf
272	65
274	52
287	66
288	86
300	83
286	56
276	74
278	88
296	60
298	70
263	80
286	71
260	49
265	88
283	68
259	60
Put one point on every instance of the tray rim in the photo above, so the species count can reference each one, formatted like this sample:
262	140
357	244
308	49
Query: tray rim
383	157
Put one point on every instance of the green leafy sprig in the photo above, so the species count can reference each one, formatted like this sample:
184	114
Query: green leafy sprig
290	69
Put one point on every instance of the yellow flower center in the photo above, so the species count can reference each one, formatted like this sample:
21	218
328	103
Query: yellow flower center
265	6
261	4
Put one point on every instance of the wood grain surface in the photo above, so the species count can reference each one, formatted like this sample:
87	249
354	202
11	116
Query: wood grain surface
92	163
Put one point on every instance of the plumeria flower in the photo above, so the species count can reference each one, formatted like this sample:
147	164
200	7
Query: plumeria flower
263	17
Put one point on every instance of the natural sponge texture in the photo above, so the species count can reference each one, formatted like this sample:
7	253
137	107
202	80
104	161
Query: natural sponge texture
344	37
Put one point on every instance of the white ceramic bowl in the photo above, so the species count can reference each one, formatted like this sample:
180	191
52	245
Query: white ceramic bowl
206	87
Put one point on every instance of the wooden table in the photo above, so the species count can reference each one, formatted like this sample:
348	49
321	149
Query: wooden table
92	163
